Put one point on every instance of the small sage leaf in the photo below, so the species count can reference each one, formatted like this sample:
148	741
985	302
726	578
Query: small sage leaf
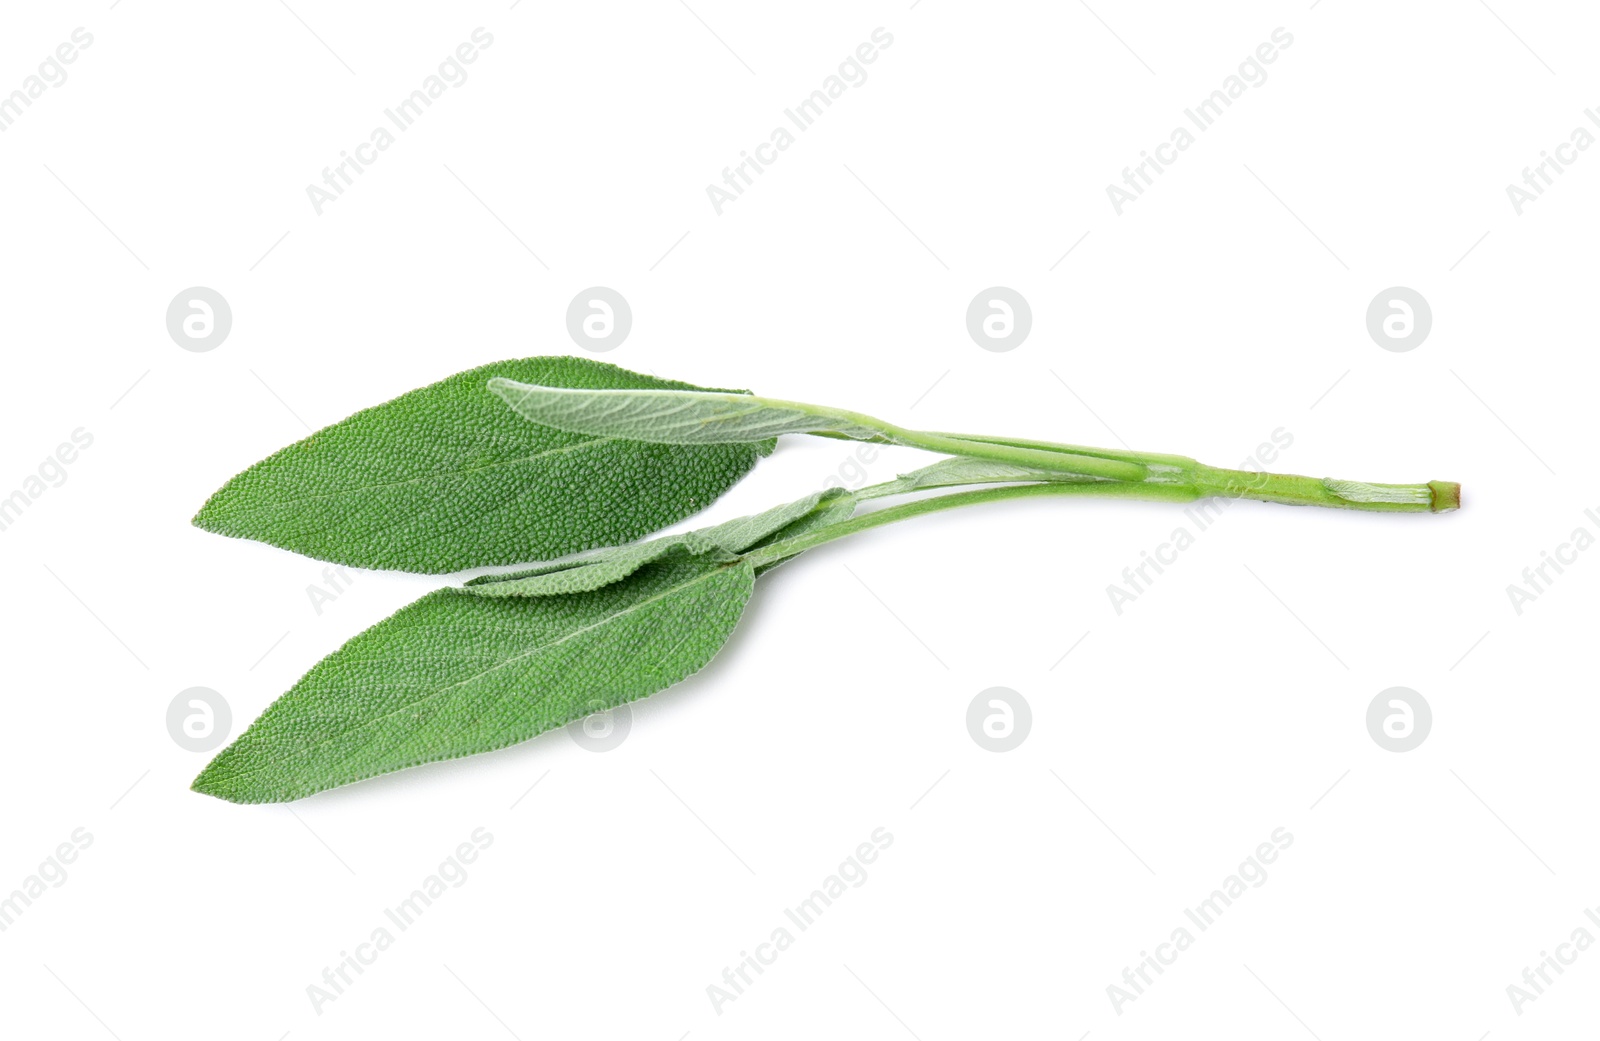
603	567
447	477
455	674
959	470
677	417
591	571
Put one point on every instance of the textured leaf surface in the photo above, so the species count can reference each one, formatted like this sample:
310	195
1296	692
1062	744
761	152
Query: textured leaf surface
447	477
676	416
609	565
456	674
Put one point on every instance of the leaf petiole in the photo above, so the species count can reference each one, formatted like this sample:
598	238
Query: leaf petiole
786	548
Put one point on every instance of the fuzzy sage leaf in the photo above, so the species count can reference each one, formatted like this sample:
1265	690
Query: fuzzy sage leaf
447	477
455	674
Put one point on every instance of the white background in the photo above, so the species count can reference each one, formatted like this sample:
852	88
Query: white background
1225	702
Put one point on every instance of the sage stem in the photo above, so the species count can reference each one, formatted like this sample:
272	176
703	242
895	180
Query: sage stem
783	550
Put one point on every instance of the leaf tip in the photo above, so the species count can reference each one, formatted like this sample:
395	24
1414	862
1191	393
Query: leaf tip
214	783
204	784
202	518
213	514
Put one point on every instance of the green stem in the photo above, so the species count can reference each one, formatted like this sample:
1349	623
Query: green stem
1058	459
1435	496
858	426
1291	489
1125	454
783	550
1161	468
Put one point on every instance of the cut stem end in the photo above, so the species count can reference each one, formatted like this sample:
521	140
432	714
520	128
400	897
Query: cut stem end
1446	496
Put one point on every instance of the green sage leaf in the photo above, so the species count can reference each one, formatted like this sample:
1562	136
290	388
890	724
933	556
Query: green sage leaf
456	674
447	477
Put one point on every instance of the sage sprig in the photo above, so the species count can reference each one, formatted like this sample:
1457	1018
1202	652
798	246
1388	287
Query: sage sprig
530	461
